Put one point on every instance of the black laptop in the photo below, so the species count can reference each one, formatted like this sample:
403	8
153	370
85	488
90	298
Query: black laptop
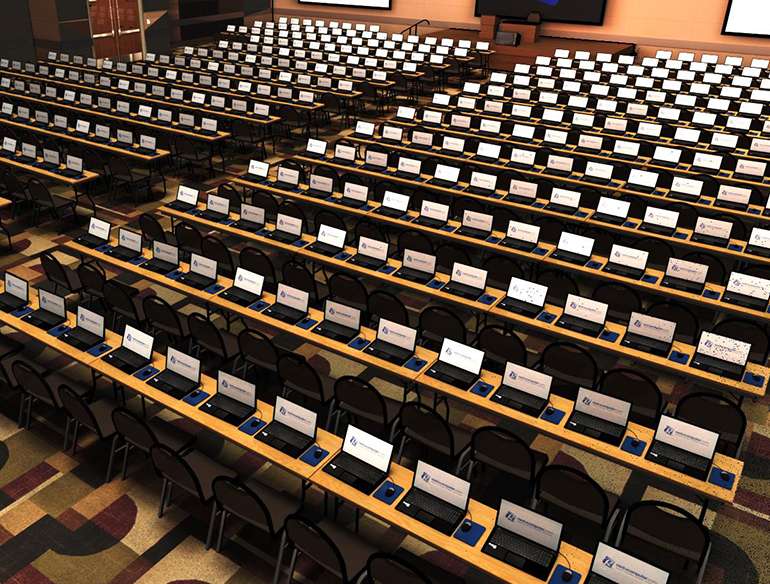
683	447
129	245
134	353
186	199
217	209
202	274
524	297
627	262
290	304
181	376
234	401
246	288
466	281
394	342
599	416
685	276
165	258
341	322
363	462
573	248
52	311
417	267
747	291
98	234
649	334
329	241
612	566
87	332
583	315
252	218
288	229
458	365
15	293
292	430
524	390
721	356
371	254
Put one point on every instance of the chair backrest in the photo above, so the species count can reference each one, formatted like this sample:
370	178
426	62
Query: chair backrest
297	275
658	249
414	240
162	316
39	192
331	219
206	334
188	237
635	387
573	491
748	331
559	286
134	429
446	256
500	269
298	375
119	301
78	409
267	202
385	305
54	270
717	270
500	346
571	367
170	465
31	382
215	249
438	323
151	228
504	451
257	261
426	426
621	299
360	399
718	414
239	499
92	277
291	209
385	568
231	193
349	290
687	327
258	349
312	542
366	228
462	204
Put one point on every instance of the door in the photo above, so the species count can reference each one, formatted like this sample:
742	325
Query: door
115	27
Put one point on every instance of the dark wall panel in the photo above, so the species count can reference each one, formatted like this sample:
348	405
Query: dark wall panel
16	38
71	9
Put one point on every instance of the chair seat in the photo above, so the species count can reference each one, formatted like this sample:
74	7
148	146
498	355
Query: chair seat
353	548
56	380
169	435
102	411
278	504
7	361
206	469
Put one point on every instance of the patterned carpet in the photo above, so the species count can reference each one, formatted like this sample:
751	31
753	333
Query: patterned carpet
60	523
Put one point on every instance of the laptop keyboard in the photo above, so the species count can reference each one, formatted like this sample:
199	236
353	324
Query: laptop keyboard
360	469
287	435
680	456
595	423
521	547
435	507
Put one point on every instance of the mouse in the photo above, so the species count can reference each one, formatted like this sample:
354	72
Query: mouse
466	526
254	423
318	452
195	393
566	575
549	410
724	475
390	491
635	442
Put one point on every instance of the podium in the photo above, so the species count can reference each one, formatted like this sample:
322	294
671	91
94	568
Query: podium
528	31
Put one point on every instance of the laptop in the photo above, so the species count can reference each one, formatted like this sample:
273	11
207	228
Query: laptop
612	566
234	401
129	245
372	253
524	297
252	218
712	232
626	261
521	236
181	375
354	195
747	291
315	148
98	233
408	168
685	276
290	304
660	221
683	447
165	258
344	154
721	356
287	178
341	322
329	241
437	498
147	145
573	248
87	332
292	430
524	539
599	416
613	211
432	214
287	230
476	225
186	199
759	242
246	288
257	171
217	208
51	160
394	205
73	167
15	293
202	274
523	389
363	462
649	334
134	353
458	365
445	176
583	315
417	267
28	153
52	311
466	281
564	201
394	342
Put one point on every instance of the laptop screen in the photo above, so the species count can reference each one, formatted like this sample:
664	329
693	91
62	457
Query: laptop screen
396	334
440	484
529	525
526	291
461	356
203	266
367	448
621	568
724	348
53	303
422	262
99	228
342	314
687	437
165	252
236	388
248	281
651	327
527	380
183	364
292	297
91	321
16	286
295	417
602	406
187	195
129	239
137	342
469	276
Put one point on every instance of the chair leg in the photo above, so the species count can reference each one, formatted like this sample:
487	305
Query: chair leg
75	433
279	560
221	534
30	403
67	434
292	565
163	497
22	408
126	450
212	522
113	446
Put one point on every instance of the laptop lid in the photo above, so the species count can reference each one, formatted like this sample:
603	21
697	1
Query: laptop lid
622	568
218	204
585	309
527	380
295	417
165	252
526	291
16	286
724	348
469	275
603	406
442	485
367	448
236	388
248	281
651	327
686	436
292	297
203	266
137	342
461	356
52	303
421	262
99	228
129	240
396	334
529	525
183	364
373	248
91	321
187	195
342	314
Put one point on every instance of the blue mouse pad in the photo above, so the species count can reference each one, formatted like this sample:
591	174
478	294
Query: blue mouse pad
481	388
540	251
259	305
493	239
311	457
448	228
538	205
19	312
649	279
358	343
227	221
554	417
754	211
252	426
628	446
715	478
57	331
712	294
486	299
174	275
495	196
264	232
546	317
415	363
752	379
677	357
558	578
138	261
306	323
299	243
387	269
195	397
680	235
104	247
382	492
609	336
342	256
214	288
146	372
630	224
735	247
593	265
473	535
435	284
581	214
99	349
366	208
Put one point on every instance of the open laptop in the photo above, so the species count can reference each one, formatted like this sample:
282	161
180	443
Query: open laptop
458	364
165	258
466	281
181	375
98	233
573	248
437	498
15	293
721	355
599	416
524	539
759	242
234	401
684	447
329	241
251	218
476	225
685	276
394	342
748	291
257	171
135	351
186	199
52	311
649	334
217	208
660	221
417	267
202	274
87	332
288	229
612	566
372	253
129	245
290	304
341	322
610	210
354	195
712	232
292	430
445	176
583	315
73	167
523	389
521	236
363	462
246	288
524	297
626	261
